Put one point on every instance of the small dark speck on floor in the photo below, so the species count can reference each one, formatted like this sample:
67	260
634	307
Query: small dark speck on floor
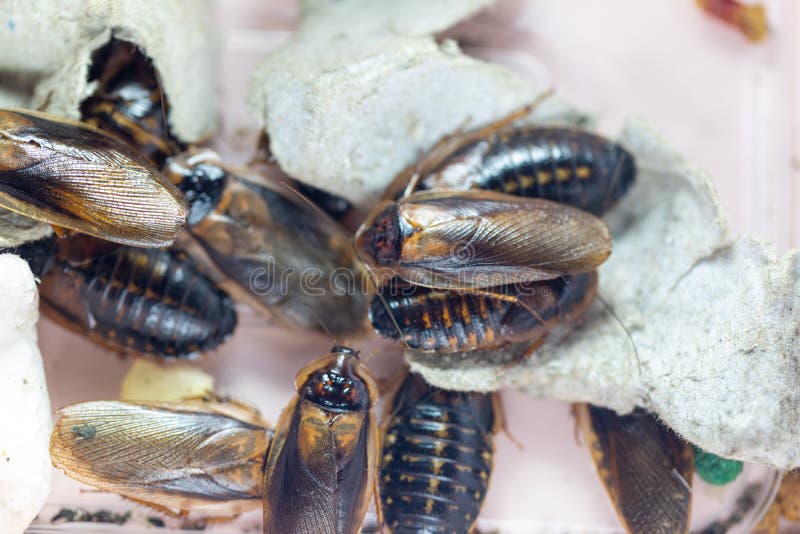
155	522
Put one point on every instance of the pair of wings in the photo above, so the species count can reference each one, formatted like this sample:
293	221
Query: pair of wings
314	485
646	468
173	456
481	239
73	176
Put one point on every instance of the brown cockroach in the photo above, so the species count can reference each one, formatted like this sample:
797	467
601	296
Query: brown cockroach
174	456
74	176
156	302
430	320
286	257
436	458
645	467
320	470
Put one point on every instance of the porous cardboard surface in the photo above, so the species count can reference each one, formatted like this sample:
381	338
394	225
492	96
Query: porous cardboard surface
46	47
359	91
713	322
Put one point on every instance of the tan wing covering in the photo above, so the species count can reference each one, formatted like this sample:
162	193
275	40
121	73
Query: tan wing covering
73	176
178	456
478	239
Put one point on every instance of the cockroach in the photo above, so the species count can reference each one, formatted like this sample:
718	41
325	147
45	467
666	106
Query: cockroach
38	253
645	467
320	470
750	19
287	257
436	458
439	321
567	165
176	456
469	240
73	176
128	101
147	301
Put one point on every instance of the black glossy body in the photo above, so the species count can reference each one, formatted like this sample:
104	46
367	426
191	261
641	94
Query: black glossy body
446	321
129	102
567	165
37	253
436	459
151	301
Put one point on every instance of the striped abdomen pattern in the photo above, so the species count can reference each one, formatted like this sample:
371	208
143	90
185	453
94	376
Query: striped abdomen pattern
562	164
436	459
150	300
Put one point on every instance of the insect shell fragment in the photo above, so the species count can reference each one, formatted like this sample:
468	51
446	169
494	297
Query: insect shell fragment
128	101
479	239
176	456
286	257
320	470
436	458
73	176
431	320
645	467
156	302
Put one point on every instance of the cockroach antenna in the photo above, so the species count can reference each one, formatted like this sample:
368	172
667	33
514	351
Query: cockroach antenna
611	311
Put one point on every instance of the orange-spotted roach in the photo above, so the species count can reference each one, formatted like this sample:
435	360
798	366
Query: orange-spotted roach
75	177
436	458
430	320
645	467
285	256
321	468
156	302
128	101
175	456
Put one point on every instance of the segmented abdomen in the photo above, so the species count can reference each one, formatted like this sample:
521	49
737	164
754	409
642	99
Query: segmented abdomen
149	300
562	164
436	462
445	321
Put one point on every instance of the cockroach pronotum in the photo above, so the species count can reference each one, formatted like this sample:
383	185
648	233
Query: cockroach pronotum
73	176
645	467
436	458
129	102
177	456
147	301
321	467
287	257
430	320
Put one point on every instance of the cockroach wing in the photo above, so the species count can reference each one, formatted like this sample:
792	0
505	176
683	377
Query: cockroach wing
318	473
645	467
174	456
76	177
480	239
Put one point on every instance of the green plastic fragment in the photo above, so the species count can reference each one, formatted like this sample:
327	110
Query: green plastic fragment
715	469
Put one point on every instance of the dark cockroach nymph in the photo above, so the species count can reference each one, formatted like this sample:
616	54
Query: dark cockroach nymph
76	177
432	320
645	467
286	257
564	164
436	459
146	301
128	101
321	467
174	456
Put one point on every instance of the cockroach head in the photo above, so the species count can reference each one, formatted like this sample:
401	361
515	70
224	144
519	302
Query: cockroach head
200	176
338	382
378	240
